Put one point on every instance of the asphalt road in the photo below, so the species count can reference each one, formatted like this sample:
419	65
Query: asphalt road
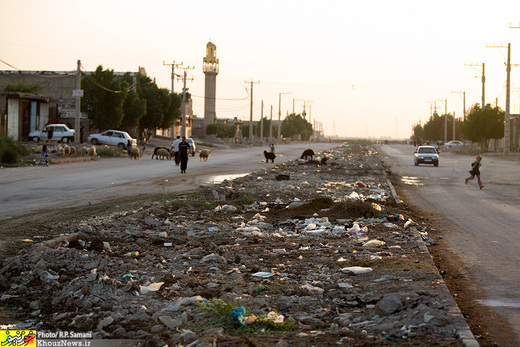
484	225
27	190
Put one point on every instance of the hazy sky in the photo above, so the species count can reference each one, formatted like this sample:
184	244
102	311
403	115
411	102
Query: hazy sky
366	68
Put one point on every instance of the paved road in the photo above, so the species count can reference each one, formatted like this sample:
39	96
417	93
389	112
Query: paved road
27	190
486	223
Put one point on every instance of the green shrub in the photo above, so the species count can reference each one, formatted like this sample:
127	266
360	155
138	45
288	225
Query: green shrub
9	155
109	152
11	150
216	313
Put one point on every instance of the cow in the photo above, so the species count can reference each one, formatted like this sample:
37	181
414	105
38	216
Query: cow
269	156
307	153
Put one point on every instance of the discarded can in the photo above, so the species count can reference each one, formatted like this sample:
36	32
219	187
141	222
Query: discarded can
132	254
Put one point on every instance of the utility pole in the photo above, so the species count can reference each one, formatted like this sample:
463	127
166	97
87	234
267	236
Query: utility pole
507	123
445	120
515	119
251	113
280	112
271	126
183	105
262	123
431	103
483	106
463	110
78	93
304	113
293	100
507	135
453	138
174	66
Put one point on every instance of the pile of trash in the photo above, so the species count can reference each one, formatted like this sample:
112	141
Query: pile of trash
295	255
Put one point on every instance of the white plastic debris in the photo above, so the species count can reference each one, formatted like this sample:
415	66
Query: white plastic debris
357	270
313	289
374	243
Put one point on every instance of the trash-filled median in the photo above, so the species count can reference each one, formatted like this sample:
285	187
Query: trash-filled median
298	254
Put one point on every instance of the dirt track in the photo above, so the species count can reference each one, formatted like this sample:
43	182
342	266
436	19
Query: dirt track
305	314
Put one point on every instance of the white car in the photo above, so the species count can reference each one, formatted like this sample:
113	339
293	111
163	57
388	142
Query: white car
426	155
112	137
53	132
453	143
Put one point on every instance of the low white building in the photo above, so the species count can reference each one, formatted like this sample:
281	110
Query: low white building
21	113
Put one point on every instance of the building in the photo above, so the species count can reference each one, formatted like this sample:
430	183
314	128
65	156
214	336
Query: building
210	68
56	102
21	113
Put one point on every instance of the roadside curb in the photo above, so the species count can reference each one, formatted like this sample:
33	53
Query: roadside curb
464	333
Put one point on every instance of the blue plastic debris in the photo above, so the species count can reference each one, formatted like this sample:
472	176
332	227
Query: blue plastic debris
239	315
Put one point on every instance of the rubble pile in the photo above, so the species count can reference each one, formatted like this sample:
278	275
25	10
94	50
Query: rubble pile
298	254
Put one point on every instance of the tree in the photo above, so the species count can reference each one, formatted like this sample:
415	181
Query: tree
103	99
134	108
157	104
483	125
174	111
245	129
266	125
221	130
417	133
295	124
433	130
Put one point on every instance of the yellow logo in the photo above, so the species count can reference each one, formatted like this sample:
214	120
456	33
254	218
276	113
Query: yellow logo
17	338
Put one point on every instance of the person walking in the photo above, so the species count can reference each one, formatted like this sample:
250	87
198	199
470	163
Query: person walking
475	171
175	149
129	149
45	156
184	149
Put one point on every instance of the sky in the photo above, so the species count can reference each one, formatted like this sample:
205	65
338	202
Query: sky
361	68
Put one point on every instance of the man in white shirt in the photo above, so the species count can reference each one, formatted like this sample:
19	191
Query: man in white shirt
175	149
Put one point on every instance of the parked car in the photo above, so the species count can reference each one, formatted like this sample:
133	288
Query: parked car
453	143
426	155
112	137
53	132
193	147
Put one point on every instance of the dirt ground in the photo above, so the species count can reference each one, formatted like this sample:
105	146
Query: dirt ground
18	235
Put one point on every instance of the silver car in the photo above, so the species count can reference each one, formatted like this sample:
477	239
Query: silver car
426	155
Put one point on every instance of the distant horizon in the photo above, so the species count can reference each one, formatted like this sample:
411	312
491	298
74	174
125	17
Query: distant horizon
363	69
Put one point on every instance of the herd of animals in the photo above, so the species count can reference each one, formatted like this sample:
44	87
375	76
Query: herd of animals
165	153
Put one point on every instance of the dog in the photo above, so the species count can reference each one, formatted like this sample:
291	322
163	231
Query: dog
307	153
269	156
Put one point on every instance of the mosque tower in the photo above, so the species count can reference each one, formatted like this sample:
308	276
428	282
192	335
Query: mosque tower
210	69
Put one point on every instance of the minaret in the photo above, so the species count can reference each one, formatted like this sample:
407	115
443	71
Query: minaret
210	69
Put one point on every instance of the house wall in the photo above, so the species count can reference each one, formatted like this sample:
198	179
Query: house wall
13	115
44	115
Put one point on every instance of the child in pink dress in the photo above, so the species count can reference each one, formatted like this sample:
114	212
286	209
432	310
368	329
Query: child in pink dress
475	171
